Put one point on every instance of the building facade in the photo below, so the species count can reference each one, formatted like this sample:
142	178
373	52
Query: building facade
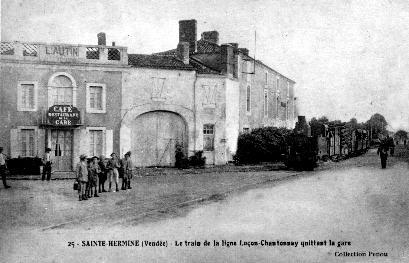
99	99
65	97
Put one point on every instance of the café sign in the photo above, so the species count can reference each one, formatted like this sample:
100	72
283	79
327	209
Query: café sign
63	115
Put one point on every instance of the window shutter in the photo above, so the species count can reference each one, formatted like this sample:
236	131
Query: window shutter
109	141
41	142
14	143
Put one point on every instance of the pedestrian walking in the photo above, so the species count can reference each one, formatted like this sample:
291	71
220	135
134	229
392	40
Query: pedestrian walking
103	173
383	153
113	166
93	171
82	177
47	165
3	168
128	168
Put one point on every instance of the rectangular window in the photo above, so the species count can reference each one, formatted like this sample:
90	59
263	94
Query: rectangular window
95	97
248	99
265	103
27	142
96	142
208	137
27	96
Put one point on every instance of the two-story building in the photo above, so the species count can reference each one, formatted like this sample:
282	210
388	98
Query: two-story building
66	97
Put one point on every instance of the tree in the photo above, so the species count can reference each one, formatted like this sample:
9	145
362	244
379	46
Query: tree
317	125
401	135
377	125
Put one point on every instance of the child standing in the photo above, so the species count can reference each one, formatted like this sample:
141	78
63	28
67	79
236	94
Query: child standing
94	171
103	174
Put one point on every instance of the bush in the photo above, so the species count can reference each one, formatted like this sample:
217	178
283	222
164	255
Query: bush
181	161
24	165
261	145
197	160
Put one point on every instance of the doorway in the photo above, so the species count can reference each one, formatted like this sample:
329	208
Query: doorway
61	149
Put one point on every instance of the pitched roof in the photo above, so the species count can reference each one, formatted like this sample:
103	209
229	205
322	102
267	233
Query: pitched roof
156	61
204	46
201	68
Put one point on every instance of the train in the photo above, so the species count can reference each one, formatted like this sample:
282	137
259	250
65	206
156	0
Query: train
329	142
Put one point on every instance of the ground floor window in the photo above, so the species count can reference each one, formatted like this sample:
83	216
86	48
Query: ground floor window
27	142
208	137
96	142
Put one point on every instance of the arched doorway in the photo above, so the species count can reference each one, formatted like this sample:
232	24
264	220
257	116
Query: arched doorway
154	137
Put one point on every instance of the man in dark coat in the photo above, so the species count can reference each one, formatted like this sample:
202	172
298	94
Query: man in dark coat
383	153
3	168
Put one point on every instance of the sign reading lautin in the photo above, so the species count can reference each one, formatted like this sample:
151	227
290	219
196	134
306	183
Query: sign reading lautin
63	51
63	115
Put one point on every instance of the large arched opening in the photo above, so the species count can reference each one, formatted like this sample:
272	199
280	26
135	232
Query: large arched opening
154	136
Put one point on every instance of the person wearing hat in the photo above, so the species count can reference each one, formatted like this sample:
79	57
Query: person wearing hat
3	168
113	174
47	165
82	177
103	174
127	166
94	171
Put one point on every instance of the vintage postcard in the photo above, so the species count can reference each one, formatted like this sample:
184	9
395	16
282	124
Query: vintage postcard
204	131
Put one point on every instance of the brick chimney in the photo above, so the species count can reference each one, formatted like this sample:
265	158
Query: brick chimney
188	33
227	59
182	52
102	41
211	36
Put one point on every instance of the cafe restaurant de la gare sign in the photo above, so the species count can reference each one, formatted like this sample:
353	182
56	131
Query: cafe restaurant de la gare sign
63	115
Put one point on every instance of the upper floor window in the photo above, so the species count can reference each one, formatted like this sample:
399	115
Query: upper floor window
96	98
248	99
265	103
62	92
288	89
27	96
208	137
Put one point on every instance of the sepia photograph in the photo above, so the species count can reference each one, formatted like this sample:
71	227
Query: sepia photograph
204	131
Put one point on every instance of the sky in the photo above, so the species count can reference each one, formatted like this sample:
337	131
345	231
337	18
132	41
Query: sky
349	58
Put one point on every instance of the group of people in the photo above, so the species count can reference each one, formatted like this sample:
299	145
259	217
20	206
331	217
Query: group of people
91	176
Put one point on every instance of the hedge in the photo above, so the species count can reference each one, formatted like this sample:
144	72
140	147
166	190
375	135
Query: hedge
261	145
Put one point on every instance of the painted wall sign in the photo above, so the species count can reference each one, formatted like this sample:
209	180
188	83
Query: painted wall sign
63	51
63	115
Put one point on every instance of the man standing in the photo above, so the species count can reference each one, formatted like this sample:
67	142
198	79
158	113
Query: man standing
383	153
82	177
127	165
3	168
47	164
113	166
